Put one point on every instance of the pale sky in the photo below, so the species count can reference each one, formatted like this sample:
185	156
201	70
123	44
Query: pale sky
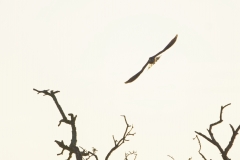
88	49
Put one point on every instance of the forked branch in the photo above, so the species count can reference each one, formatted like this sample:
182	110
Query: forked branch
72	147
212	139
118	143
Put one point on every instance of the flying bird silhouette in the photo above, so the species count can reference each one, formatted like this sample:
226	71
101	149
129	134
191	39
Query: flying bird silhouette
152	60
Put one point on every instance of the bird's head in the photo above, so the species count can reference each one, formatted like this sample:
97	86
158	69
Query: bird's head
151	60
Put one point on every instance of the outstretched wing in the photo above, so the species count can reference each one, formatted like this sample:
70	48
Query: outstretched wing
168	46
133	78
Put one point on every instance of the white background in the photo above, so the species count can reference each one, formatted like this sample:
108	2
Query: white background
88	49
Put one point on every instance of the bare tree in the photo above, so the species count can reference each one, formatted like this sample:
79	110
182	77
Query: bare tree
214	142
72	148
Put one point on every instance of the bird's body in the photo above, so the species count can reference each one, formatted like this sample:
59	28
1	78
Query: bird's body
152	60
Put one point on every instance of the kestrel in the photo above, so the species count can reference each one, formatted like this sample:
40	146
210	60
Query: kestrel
152	60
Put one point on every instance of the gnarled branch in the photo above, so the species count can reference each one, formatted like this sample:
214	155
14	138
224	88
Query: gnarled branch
214	141
72	147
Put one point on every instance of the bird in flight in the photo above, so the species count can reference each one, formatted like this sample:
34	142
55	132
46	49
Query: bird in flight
152	60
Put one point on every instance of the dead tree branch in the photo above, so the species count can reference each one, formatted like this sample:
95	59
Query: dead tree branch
199	151
72	148
212	139
170	157
89	154
173	158
118	143
129	154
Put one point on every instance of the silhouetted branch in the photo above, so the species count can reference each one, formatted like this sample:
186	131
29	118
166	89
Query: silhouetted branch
234	134
170	157
220	120
129	154
72	147
214	141
118	143
52	94
88	153
173	158
199	151
92	154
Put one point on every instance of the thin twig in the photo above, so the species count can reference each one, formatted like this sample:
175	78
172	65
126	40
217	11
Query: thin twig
199	151
129	154
170	157
118	143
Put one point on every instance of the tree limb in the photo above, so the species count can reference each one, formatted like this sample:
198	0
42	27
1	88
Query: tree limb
72	147
214	141
199	151
118	143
